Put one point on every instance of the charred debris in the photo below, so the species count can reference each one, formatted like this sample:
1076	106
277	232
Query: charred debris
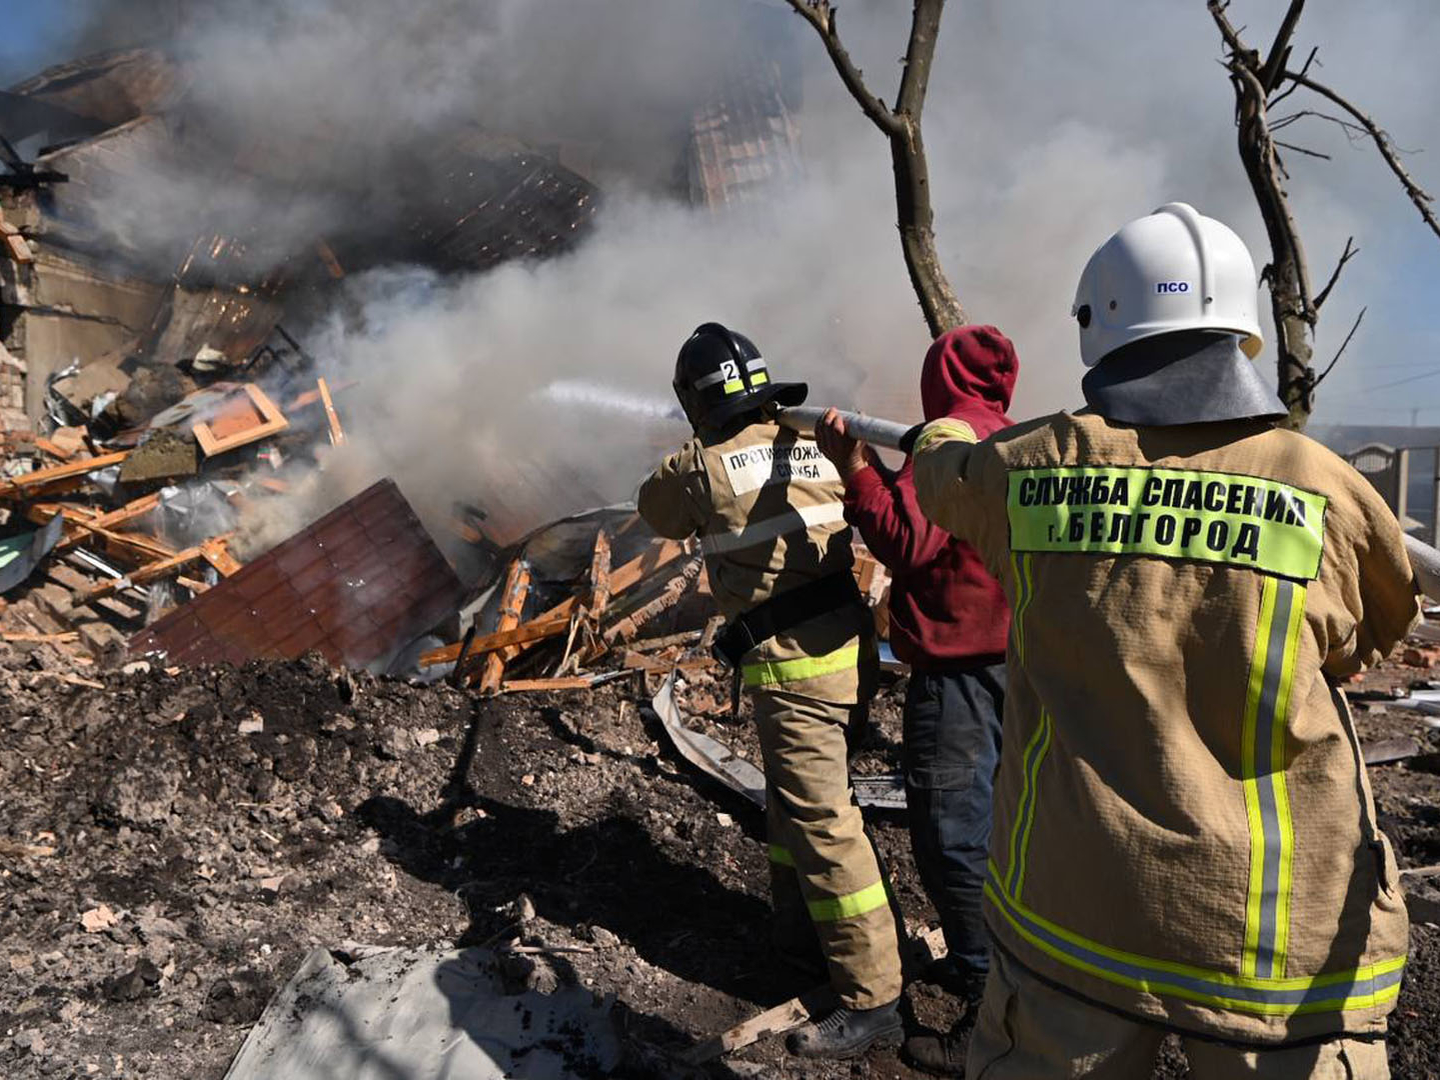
155	416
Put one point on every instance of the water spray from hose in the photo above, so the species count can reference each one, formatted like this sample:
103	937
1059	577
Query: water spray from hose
601	398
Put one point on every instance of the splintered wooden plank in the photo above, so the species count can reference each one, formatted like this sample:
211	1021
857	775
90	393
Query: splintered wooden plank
19	250
31	483
337	433
129	512
524	634
790	1015
53	449
776	1021
627	577
557	619
136	546
133	545
310	397
512	603
600	576
240	422
565	682
42	639
216	551
149	572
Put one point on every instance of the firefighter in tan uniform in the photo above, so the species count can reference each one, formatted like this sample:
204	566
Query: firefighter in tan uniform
768	508
1184	836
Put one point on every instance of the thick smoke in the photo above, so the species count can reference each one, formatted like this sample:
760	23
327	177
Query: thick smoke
1048	126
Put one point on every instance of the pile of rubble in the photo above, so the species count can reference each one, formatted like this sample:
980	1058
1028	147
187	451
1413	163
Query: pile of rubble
102	531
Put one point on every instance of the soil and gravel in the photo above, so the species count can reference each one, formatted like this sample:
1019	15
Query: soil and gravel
172	844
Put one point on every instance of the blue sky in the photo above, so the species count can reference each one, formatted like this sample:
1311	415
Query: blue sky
34	34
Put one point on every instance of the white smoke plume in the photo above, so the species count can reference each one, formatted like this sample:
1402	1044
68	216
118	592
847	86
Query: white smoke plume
1048	126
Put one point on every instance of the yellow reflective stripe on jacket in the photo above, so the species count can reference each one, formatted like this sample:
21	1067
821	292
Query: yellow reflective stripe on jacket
781	856
1024	590
1039	744
1357	988
850	905
1024	824
775	672
1214	517
772	528
944	428
1262	769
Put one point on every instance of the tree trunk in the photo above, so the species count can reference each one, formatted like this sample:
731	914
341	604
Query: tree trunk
1288	273
916	221
901	127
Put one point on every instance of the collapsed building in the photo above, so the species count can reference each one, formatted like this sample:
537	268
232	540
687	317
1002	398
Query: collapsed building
152	371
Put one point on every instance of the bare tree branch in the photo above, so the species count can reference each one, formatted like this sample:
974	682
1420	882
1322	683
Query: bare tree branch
1345	256
1287	274
1301	150
919	56
1304	69
821	15
1227	31
1274	191
1418	195
1341	352
1352	131
901	125
1280	51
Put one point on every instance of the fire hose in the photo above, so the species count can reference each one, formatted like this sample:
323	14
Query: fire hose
1424	559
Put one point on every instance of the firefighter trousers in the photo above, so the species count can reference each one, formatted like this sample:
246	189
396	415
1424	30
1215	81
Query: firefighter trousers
821	860
1028	1030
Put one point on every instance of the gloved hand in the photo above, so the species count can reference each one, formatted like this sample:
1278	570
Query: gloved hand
848	455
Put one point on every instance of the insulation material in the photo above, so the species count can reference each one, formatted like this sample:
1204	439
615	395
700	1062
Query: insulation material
19	555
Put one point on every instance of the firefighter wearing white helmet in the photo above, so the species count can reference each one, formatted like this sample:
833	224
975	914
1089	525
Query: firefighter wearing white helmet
1184	838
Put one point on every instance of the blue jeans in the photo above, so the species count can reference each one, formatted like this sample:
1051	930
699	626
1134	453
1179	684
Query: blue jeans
952	748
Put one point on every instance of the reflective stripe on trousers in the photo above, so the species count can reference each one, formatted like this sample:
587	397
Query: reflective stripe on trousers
778	672
847	905
815	826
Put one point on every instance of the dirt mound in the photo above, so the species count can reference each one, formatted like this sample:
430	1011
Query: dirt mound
174	844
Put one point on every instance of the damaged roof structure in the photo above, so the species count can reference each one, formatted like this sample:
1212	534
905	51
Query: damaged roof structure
98	128
154	402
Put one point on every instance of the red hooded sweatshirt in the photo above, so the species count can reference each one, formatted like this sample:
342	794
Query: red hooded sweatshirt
946	611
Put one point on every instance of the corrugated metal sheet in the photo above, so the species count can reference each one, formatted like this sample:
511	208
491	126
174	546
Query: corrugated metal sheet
356	586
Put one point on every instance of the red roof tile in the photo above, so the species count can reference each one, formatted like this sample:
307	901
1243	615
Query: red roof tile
356	585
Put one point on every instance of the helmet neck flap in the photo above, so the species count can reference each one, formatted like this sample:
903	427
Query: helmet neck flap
1185	377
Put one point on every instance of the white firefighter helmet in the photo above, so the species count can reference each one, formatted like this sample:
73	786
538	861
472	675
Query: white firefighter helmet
1172	270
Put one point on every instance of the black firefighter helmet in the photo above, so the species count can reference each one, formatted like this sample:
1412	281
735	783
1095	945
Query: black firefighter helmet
720	375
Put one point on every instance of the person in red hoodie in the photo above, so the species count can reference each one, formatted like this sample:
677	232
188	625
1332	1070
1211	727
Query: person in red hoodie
948	621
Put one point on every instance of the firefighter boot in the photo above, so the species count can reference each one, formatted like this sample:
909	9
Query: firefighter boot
944	1055
846	1033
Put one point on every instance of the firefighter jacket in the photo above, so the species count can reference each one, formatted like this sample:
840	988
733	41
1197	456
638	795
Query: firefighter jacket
1184	829
768	508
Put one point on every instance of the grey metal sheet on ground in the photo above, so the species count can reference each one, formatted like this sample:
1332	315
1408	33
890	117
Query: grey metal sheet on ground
719	762
423	1014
